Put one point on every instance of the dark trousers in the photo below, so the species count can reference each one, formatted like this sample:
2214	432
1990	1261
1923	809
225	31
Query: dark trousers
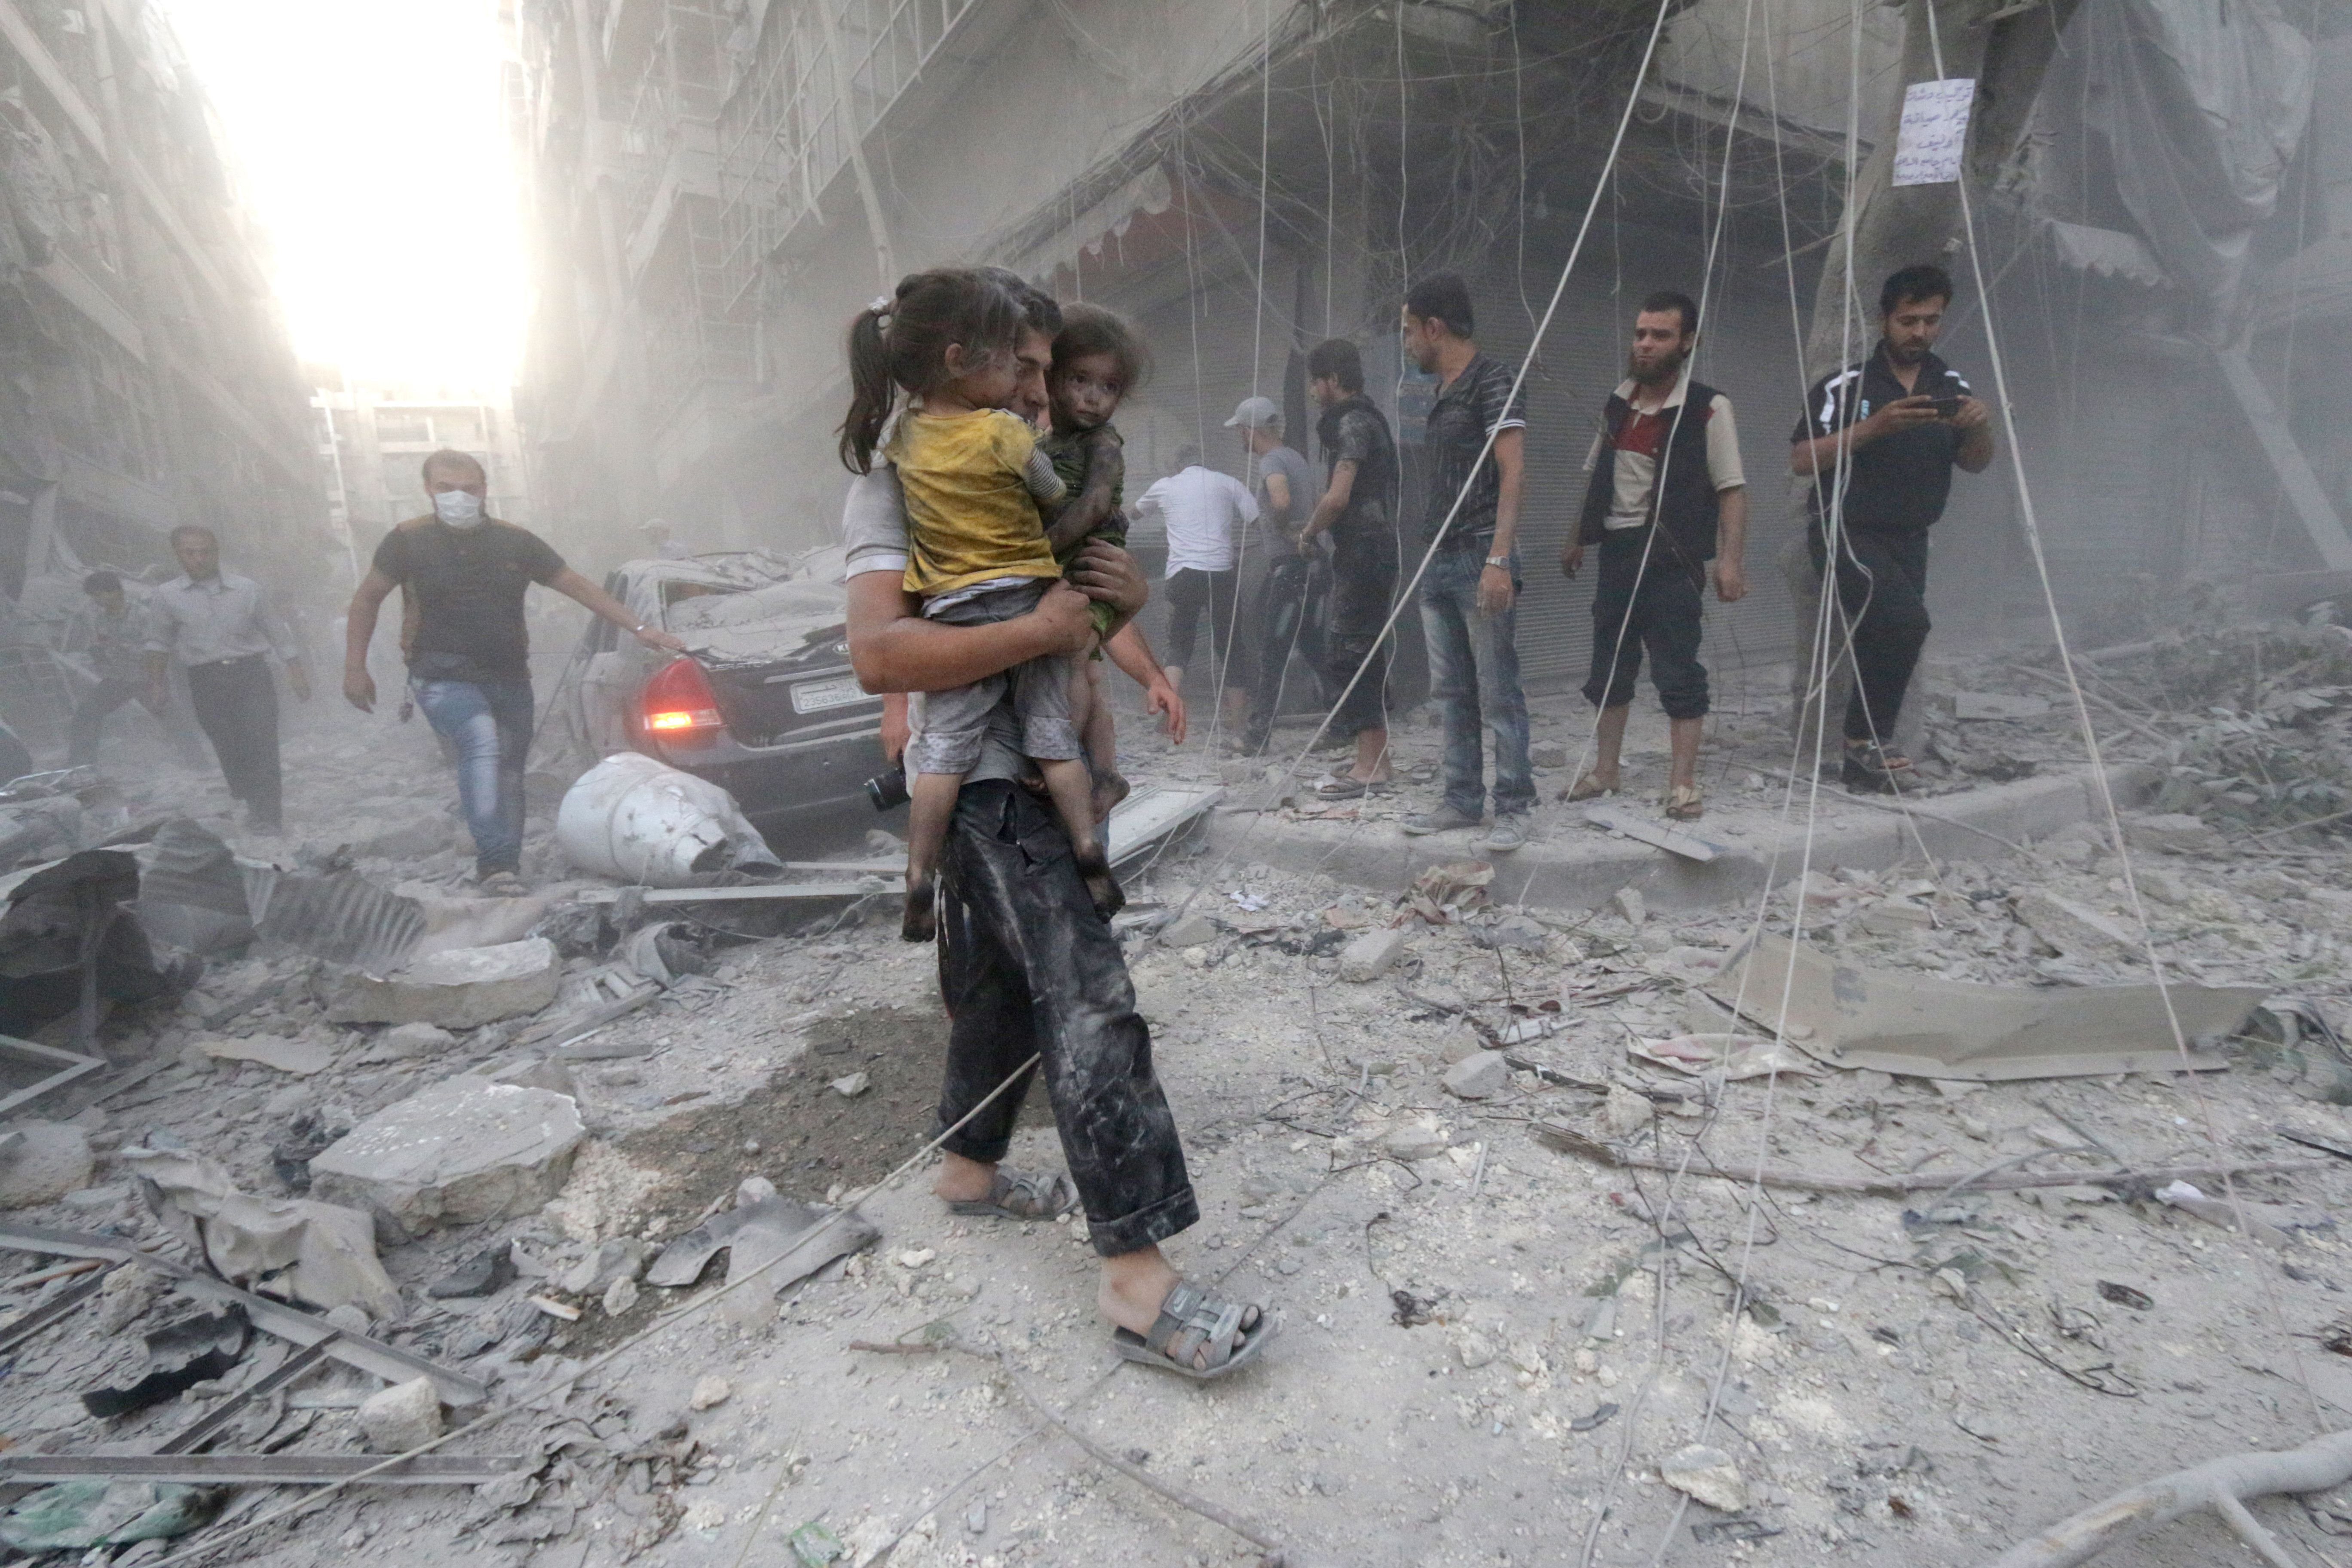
1190	593
1026	967
1881	586
1651	606
1363	593
1283	622
236	706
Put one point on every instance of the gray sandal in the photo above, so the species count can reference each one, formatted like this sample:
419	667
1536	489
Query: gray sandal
1191	1320
1022	1194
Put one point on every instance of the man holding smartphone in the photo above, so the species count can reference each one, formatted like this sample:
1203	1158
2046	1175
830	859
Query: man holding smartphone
1880	440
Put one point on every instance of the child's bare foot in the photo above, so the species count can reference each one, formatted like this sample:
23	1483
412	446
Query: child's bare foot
922	921
1110	788
1101	886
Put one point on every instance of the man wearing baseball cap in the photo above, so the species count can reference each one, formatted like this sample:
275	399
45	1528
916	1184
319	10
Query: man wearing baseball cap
1278	617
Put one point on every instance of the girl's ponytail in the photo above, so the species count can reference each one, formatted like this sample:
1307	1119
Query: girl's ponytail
871	390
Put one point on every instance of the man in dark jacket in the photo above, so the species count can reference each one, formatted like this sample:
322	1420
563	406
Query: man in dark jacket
1667	501
1358	511
1880	440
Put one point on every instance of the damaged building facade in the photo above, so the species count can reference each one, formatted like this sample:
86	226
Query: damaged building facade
145	376
717	185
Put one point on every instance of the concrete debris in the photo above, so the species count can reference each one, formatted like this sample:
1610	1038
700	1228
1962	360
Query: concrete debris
459	989
41	1161
2074	929
1373	954
1480	1076
1631	904
607	1265
407	1043
790	1240
1899	1023
486	1273
406	1415
314	1252
301	1058
1978	707
1730	1057
1620	818
638	820
125	1297
1189	930
461	1152
1707	1475
1421	1138
619	1297
1624	1112
710	1393
2172	833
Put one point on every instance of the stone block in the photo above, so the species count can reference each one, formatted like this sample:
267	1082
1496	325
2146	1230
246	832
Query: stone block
1189	930
458	989
41	1161
2173	833
1480	1076
457	1153
1373	954
406	1415
2074	928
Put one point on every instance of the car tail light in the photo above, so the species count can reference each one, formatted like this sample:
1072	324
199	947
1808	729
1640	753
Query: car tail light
679	707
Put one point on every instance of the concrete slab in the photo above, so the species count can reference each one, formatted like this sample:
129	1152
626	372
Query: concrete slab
1569	864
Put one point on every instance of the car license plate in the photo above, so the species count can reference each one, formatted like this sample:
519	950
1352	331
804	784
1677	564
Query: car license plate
816	696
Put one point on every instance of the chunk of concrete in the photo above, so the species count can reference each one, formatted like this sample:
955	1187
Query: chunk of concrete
41	1161
1373	954
462	1152
2173	833
2074	930
458	989
301	1058
1189	930
1707	1475
1480	1076
406	1415
407	1043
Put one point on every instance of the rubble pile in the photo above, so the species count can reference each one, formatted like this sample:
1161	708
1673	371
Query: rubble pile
1563	1210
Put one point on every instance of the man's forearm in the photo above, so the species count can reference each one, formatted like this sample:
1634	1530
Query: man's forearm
1128	649
1731	526
359	630
1510	459
1976	452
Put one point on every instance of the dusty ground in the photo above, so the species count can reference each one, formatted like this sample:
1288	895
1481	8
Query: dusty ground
1893	1385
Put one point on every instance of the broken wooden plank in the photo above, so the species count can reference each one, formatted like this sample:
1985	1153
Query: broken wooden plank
67	1066
195	1435
262	1469
1634	825
1567	1139
292	1324
68	1303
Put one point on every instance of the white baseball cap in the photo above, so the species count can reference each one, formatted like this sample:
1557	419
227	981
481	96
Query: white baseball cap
1254	414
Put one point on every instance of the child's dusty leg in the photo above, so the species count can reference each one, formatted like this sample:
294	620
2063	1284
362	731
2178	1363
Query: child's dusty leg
1072	791
1098	729
931	799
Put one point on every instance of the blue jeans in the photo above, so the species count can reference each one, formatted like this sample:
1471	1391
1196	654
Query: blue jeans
489	722
1473	673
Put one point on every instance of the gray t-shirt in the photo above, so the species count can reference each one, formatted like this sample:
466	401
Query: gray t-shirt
874	539
1296	474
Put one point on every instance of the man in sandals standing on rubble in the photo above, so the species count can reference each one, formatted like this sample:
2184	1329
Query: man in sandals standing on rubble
1026	967
1667	505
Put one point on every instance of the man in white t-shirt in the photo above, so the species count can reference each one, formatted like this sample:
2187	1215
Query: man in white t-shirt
1207	512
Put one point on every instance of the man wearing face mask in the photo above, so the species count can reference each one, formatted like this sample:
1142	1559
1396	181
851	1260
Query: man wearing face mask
466	574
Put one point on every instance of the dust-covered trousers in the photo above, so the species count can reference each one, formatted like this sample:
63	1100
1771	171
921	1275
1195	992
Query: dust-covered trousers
949	725
1026	967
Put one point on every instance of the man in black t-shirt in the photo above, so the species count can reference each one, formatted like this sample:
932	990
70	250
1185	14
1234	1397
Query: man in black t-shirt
464	575
1358	510
1880	440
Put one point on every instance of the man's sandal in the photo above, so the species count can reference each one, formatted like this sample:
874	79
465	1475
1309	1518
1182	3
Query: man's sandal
1684	804
1587	787
1190	1323
1022	1194
1871	768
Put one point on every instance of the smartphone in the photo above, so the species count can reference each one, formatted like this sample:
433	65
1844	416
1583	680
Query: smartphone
1946	407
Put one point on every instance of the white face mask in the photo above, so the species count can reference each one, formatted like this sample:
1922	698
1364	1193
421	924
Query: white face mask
458	509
